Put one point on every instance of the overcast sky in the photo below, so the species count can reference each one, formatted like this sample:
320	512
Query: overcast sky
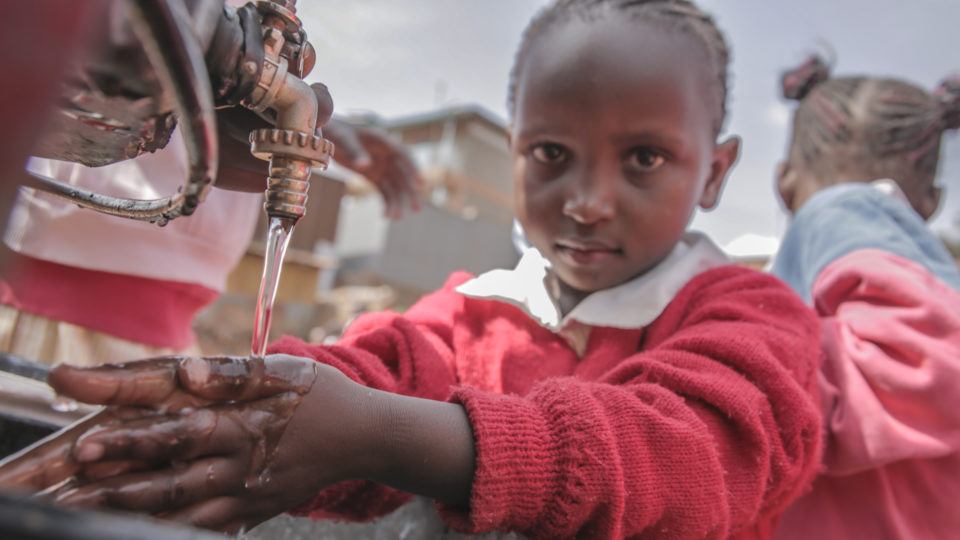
397	57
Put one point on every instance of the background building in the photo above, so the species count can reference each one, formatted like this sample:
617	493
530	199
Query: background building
345	257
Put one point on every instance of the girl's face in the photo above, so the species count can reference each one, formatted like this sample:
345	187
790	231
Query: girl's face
613	147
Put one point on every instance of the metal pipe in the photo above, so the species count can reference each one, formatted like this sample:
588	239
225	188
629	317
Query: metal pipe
142	210
293	145
171	48
296	105
175	54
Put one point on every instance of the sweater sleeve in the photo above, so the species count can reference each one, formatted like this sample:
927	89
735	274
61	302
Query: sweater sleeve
708	432
411	355
891	334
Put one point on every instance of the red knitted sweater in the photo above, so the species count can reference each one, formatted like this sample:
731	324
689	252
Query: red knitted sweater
704	424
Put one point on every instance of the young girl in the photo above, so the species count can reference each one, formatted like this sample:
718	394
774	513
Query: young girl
623	380
859	179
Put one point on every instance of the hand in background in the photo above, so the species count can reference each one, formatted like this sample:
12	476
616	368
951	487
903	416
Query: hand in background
375	154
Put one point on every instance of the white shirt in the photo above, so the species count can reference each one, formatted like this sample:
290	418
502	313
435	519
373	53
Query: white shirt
200	249
633	304
890	188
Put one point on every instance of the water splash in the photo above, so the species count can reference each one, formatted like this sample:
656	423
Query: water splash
278	237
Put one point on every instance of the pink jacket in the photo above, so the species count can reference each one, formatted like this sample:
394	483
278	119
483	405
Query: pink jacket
890	387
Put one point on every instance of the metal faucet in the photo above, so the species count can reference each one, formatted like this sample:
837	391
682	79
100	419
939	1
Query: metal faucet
293	146
255	56
96	129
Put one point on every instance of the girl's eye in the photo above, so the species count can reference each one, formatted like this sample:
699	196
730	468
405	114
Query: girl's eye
645	160
549	153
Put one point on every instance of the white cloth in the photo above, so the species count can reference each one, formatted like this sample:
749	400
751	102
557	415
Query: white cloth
633	304
200	249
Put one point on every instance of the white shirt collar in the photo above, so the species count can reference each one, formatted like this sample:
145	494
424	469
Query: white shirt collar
890	188
633	304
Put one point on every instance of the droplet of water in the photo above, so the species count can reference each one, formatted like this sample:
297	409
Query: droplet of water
211	475
64	404
264	479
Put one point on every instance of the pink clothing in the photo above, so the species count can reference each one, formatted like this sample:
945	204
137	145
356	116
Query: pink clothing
128	279
890	386
150	312
200	249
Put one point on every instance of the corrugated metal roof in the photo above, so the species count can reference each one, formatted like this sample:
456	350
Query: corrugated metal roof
454	111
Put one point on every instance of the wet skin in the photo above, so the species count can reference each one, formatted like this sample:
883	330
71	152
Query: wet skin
182	431
225	443
224	454
152	392
49	462
614	147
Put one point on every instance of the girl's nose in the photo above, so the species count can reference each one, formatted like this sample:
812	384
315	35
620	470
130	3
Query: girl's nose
592	203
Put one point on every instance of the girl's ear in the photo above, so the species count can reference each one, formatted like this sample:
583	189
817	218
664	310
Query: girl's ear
786	185
725	156
930	202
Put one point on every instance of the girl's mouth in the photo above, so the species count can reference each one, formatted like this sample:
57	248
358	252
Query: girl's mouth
586	252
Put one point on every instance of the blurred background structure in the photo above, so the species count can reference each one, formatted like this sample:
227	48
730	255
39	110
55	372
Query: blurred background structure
347	258
434	74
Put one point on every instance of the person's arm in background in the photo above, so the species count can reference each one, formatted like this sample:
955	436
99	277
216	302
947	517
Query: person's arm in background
886	291
891	338
378	156
66	29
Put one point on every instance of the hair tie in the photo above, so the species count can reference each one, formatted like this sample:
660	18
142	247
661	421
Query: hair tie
798	82
948	94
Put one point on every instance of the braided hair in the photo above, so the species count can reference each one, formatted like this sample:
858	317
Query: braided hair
674	15
881	127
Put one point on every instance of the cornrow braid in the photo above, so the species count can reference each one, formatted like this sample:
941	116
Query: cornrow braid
678	15
878	122
825	119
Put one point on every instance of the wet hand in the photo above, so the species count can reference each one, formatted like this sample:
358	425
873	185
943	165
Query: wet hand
225	443
376	155
245	439
150	382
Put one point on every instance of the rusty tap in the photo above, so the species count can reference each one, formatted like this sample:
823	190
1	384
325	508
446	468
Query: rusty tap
294	145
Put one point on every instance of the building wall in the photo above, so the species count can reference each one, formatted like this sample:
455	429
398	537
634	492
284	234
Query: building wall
423	249
468	158
320	221
487	171
468	226
486	157
362	229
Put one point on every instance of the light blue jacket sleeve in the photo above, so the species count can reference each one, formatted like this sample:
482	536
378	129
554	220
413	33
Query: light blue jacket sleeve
846	218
